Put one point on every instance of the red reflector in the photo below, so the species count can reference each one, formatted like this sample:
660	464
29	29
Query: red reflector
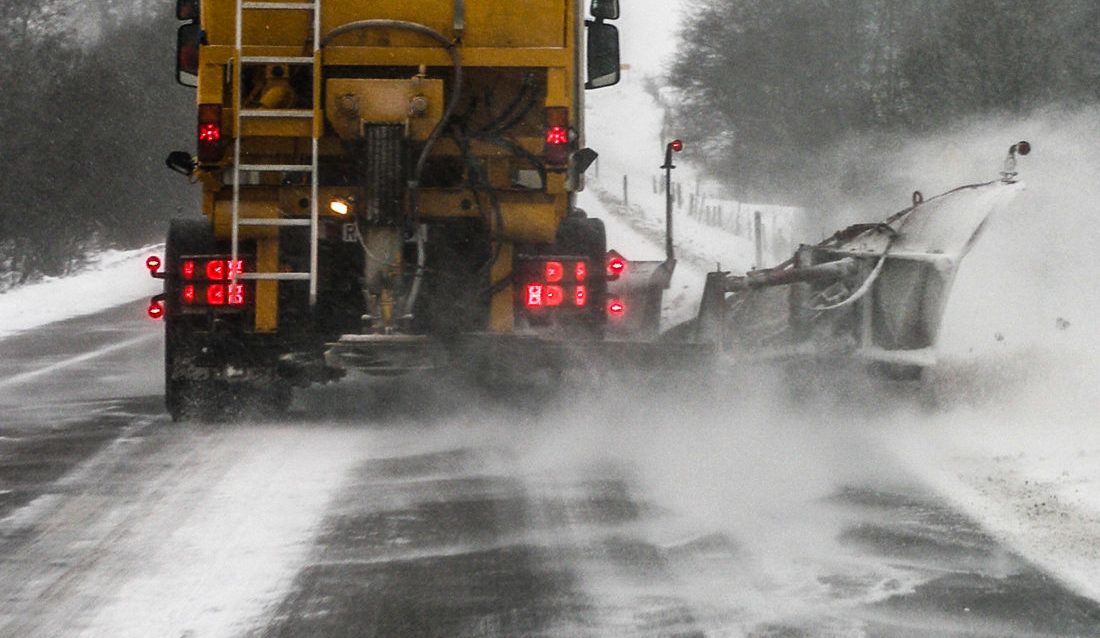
156	311
553	295
188	294
580	272
615	308
235	294
215	295
215	270
534	295
554	271
153	263
187	269
580	296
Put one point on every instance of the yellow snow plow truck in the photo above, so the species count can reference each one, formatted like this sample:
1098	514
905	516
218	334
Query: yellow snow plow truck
385	187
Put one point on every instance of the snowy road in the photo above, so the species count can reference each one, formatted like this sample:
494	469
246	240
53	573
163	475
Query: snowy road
419	510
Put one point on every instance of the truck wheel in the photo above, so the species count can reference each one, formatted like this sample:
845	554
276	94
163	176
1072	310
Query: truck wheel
186	395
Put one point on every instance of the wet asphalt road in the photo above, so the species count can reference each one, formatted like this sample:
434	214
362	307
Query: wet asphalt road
416	509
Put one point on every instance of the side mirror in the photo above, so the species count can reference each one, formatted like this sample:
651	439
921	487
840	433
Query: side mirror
603	54
187	54
187	9
181	162
605	9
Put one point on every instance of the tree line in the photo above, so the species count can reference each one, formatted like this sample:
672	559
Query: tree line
88	111
764	86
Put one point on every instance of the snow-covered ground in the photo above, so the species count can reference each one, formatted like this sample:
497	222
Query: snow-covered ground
115	278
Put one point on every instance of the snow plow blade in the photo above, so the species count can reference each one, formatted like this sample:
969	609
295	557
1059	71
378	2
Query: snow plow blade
875	291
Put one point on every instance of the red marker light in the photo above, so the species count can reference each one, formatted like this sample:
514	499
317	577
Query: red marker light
153	263
580	296
554	271
616	308
156	310
187	269
676	145
616	265
557	135
210	133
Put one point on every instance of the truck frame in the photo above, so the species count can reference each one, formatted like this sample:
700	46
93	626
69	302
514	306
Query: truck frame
384	187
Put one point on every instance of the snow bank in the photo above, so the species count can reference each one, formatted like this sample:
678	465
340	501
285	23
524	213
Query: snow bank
114	278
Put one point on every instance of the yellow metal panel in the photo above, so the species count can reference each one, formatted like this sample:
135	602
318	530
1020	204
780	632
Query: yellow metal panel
267	292
557	87
524	23
276	127
351	102
501	315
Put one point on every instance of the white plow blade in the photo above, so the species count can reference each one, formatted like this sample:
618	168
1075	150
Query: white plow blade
911	292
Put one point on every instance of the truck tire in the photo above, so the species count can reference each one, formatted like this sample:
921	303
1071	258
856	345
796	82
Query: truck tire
193	392
186	395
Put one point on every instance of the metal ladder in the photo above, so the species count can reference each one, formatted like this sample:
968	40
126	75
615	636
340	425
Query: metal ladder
315	114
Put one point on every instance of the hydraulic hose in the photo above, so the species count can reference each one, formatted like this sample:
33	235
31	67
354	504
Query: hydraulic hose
448	112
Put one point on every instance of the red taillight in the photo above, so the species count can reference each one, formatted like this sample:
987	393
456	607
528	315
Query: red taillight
210	132
234	294
156	310
557	135
215	295
554	271
187	269
153	263
616	308
534	295
188	294
553	295
215	270
580	296
221	270
580	272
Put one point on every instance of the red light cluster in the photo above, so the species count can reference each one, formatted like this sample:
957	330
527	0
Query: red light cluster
559	282
213	270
